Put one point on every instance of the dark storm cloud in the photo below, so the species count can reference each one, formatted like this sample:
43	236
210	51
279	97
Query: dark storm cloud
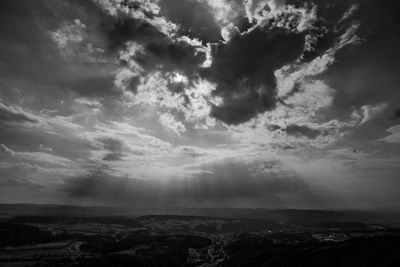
156	49
302	130
119	30
160	52
177	55
11	115
243	70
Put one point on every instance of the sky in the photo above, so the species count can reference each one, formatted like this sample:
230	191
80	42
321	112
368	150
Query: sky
200	103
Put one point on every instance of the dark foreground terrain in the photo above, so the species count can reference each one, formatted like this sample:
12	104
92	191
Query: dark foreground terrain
67	236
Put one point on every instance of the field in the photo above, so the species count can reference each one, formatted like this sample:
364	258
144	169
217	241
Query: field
269	238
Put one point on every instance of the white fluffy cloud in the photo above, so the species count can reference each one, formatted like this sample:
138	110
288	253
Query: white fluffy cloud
200	101
154	91
145	7
69	33
170	123
72	40
368	112
224	10
228	32
278	14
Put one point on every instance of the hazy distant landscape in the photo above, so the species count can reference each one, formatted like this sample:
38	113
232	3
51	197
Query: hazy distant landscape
49	235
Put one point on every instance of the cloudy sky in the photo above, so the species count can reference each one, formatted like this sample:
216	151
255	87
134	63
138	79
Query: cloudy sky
207	103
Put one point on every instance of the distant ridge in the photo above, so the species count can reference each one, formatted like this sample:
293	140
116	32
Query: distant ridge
286	216
25	209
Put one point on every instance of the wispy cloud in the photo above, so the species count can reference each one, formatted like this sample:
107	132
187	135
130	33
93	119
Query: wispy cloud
394	136
14	114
